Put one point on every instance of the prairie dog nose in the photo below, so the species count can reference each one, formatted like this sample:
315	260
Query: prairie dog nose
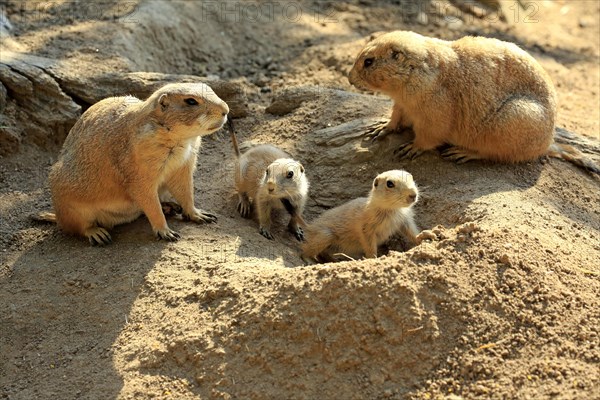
351	78
225	109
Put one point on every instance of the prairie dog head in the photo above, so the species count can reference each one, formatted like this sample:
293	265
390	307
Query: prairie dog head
393	190
285	178
391	62
188	109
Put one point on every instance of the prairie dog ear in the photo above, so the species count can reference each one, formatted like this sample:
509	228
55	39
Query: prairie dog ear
397	53
375	35
164	101
375	182
301	168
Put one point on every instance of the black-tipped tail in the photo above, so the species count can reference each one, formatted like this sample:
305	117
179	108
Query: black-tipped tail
234	141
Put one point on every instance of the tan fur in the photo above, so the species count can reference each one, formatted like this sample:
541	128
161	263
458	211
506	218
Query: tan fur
262	180
487	98
123	154
357	228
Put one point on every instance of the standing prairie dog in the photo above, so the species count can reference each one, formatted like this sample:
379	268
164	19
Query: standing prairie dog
358	227
124	154
486	98
267	178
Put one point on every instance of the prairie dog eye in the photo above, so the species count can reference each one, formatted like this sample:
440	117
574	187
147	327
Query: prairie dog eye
390	184
368	62
290	174
191	102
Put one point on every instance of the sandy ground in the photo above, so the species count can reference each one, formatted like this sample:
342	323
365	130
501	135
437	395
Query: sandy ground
504	303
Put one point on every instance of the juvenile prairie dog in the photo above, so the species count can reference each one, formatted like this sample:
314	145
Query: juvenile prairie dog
124	154
486	98
357	228
267	178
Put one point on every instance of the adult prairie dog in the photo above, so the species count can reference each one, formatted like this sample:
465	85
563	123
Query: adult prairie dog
124	154
357	228
486	98
267	178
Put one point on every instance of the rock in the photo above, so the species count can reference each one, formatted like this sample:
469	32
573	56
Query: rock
10	138
15	82
467	228
3	96
454	23
344	144
261	80
483	8
588	146
347	144
42	98
339	143
495	4
33	105
47	98
505	259
426	235
290	99
5	25
143	84
376	378
587	21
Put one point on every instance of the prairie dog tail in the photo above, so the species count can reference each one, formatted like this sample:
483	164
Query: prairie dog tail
44	216
234	141
564	147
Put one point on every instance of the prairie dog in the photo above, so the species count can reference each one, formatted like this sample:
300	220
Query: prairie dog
486	98
267	178
124	154
359	226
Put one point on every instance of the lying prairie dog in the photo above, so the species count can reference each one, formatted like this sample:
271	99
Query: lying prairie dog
356	228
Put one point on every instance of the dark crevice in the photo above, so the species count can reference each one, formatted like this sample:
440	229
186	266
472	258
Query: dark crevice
76	99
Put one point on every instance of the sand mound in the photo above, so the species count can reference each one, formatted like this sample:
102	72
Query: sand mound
482	323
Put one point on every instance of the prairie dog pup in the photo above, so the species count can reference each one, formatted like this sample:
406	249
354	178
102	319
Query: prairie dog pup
267	178
123	154
359	226
486	98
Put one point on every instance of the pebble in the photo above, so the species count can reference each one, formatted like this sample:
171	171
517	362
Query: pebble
454	23
505	259
422	18
585	22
